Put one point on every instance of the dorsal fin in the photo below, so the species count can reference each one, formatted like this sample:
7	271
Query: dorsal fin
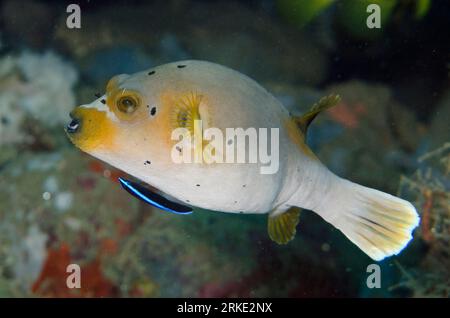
324	103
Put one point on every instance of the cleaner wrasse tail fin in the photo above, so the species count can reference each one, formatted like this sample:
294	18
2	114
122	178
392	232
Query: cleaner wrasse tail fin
380	224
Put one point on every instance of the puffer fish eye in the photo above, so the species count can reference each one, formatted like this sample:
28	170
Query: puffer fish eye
127	104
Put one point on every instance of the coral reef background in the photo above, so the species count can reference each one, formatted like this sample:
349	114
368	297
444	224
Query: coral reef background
390	131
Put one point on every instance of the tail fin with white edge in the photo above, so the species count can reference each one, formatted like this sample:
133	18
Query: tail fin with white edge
378	223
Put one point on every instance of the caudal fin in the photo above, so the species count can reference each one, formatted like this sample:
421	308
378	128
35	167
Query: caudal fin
378	223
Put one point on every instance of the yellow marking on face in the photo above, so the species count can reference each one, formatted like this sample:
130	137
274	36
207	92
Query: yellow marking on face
97	132
297	137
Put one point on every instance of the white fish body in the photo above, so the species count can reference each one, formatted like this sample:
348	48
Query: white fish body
172	95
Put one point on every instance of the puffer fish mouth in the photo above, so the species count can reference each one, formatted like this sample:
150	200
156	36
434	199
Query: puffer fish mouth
73	126
90	129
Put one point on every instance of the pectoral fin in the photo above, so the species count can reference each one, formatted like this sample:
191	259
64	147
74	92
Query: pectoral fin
282	227
154	199
324	103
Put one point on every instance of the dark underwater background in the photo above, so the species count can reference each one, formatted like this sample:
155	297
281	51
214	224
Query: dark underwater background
391	131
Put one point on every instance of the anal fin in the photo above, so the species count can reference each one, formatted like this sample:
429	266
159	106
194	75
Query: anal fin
282	227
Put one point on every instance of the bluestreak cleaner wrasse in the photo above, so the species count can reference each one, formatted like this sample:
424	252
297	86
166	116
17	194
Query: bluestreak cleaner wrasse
131	127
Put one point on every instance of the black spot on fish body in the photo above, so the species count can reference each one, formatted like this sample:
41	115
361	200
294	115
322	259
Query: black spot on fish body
197	185
103	101
183	117
181	66
153	111
147	162
244	185
230	141
151	72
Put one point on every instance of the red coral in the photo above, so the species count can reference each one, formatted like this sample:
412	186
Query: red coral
52	279
347	115
105	170
109	246
123	227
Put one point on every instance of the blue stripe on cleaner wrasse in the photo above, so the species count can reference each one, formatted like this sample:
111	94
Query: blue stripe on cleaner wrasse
130	127
152	198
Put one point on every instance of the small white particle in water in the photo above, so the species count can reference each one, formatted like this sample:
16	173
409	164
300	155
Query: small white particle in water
63	201
325	247
46	196
106	173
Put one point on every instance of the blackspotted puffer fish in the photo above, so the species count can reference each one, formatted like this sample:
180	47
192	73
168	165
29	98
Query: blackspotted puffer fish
130	127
